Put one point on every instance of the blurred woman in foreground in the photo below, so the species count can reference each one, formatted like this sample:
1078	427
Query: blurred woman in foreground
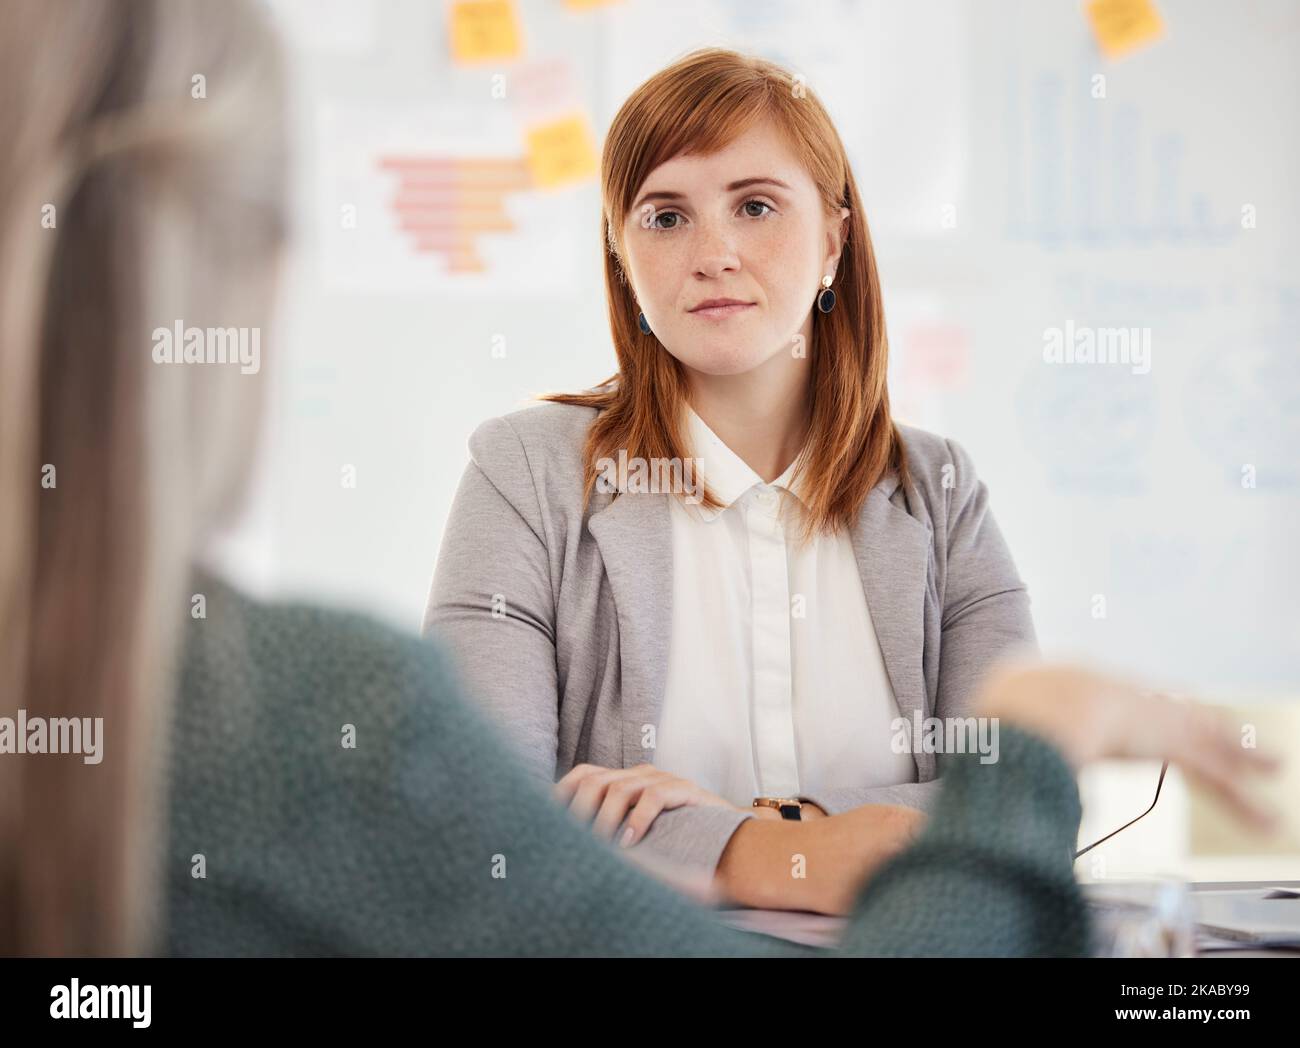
280	779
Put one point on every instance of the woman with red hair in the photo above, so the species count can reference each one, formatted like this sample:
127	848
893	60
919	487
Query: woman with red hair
751	640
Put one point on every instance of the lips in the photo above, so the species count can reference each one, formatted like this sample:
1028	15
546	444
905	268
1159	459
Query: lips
721	307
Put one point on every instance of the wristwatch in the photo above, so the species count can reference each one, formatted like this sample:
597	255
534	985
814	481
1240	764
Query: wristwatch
789	807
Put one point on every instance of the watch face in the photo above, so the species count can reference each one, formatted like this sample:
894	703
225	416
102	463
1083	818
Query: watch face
791	811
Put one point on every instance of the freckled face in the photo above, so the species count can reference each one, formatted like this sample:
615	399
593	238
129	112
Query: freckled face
695	233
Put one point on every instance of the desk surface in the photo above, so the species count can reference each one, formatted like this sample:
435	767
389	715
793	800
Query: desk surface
817	929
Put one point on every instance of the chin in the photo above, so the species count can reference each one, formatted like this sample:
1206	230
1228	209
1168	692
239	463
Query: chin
726	356
723	361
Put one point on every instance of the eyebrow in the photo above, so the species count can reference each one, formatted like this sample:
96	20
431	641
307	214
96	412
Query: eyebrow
730	188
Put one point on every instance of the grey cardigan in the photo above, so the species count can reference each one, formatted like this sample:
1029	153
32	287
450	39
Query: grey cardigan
559	621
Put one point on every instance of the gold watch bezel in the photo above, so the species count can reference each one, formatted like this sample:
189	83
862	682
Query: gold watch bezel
777	802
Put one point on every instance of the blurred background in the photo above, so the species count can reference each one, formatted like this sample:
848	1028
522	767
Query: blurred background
1027	168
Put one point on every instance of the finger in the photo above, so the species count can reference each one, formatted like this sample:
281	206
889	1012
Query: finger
671	793
568	786
1250	756
564	790
1208	749
1241	763
1226	789
619	798
590	793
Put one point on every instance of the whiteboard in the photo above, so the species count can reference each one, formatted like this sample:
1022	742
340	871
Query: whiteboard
1006	199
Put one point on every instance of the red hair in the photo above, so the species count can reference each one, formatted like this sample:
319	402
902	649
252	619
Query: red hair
699	105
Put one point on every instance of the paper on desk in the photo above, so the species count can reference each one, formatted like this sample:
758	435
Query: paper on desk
808	929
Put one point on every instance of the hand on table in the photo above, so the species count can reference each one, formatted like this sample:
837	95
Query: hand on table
606	796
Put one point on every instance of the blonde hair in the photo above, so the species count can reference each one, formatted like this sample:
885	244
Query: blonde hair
699	105
141	185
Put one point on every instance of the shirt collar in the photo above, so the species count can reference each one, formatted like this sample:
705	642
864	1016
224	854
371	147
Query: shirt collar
725	472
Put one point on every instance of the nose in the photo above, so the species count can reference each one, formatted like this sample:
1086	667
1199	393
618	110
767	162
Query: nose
715	254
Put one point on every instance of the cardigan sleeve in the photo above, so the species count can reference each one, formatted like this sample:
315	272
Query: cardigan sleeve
492	601
834	800
985	603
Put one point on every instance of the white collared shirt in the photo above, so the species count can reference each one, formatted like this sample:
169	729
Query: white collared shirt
776	685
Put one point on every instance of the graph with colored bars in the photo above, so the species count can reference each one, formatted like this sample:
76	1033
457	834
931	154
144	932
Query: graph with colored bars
445	205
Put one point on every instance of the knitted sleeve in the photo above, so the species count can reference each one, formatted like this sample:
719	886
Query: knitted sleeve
992	873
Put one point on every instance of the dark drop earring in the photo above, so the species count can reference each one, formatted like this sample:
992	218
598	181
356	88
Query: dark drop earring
643	324
826	297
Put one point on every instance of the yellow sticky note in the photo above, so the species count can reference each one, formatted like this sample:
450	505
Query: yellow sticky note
562	151
1121	26
586	5
483	30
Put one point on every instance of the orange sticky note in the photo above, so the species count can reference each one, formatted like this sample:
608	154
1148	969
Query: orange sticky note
562	151
1121	26
484	29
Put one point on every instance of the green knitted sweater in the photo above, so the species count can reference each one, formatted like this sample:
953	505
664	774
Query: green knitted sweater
345	799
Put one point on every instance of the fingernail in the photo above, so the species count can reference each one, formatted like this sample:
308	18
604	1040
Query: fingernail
626	839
